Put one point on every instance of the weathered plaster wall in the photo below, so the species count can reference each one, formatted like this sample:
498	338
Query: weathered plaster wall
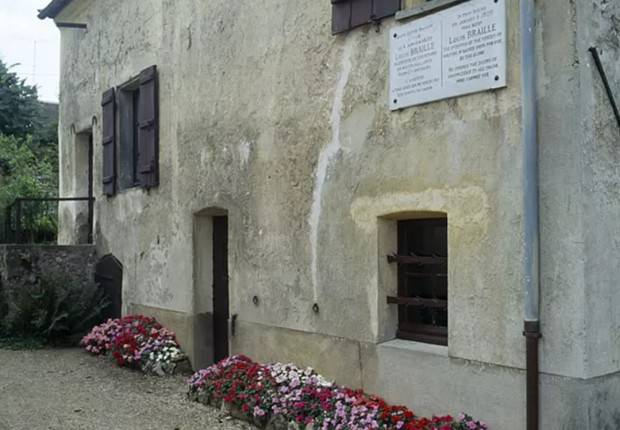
562	303
291	163
426	378
599	26
266	115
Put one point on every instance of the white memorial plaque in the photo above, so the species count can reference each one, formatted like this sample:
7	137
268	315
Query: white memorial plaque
460	50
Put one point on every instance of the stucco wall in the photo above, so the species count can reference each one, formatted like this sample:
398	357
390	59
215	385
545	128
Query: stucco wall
266	115
599	26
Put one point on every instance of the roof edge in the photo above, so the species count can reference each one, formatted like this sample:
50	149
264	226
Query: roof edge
53	9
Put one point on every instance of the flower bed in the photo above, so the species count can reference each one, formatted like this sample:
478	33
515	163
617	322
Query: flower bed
277	395
136	341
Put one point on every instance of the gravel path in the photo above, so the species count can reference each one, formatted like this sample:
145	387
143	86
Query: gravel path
66	389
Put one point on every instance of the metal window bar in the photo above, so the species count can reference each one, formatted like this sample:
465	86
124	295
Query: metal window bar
422	286
35	220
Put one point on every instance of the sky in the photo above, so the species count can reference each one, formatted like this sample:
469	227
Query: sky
32	44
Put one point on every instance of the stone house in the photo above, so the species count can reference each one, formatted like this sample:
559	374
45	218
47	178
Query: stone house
266	195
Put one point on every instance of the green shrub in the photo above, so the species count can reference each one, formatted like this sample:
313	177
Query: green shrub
53	310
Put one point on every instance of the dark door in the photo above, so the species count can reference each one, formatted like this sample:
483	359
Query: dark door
109	275
220	287
91	201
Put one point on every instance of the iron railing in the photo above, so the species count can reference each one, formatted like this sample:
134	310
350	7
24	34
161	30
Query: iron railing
35	220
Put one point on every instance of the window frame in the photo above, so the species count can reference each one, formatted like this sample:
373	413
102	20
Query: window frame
428	265
130	123
128	129
135	125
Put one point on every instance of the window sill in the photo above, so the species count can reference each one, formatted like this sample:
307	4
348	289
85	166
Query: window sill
412	346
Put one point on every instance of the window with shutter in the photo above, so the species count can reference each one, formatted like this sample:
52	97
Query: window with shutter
348	14
108	106
148	132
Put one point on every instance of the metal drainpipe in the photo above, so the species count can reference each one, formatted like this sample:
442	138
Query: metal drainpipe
529	118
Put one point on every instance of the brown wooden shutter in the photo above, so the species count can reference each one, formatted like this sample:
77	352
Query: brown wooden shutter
109	142
361	12
341	16
149	128
385	8
348	14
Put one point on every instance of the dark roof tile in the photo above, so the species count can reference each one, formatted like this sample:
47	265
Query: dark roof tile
53	9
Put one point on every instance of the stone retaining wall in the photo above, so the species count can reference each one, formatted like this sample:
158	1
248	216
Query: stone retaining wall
26	264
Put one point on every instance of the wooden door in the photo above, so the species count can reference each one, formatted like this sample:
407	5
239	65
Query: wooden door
91	200
220	287
109	275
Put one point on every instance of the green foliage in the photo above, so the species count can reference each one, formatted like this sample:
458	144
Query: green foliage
46	136
26	174
28	153
23	116
19	108
53	310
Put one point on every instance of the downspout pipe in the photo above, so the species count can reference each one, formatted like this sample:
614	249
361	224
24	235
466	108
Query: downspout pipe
529	141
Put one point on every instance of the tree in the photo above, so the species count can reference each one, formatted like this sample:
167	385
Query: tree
25	173
28	141
19	108
28	152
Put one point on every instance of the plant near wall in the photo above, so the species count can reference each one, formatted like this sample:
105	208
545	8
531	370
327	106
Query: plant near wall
52	310
284	396
138	342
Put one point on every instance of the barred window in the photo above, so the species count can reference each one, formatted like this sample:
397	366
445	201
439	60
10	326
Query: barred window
422	299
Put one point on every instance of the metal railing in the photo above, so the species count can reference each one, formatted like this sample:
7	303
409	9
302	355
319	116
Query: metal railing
35	220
